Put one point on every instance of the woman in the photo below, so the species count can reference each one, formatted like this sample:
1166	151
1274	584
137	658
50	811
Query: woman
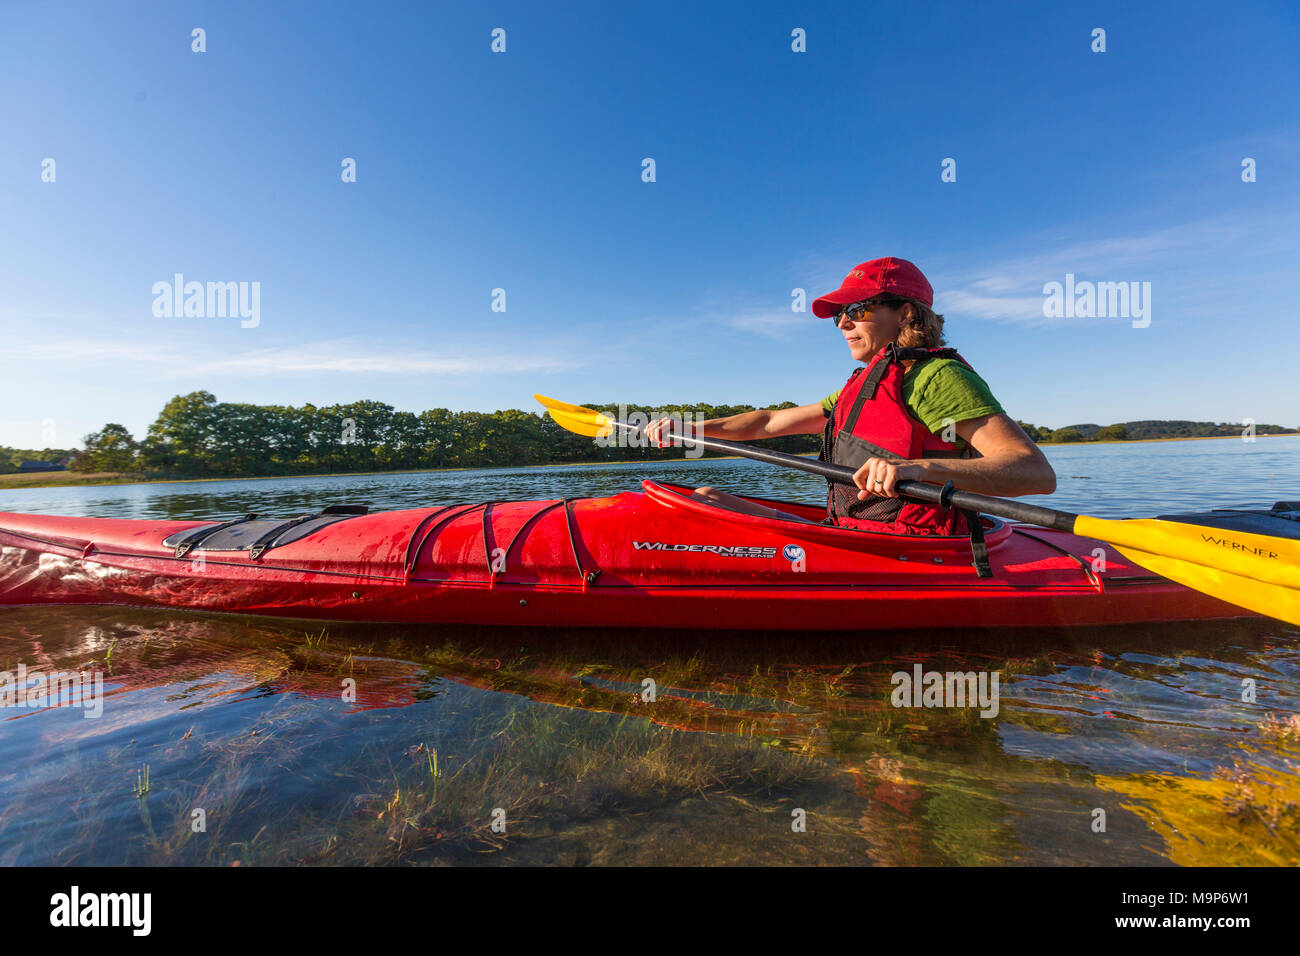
915	412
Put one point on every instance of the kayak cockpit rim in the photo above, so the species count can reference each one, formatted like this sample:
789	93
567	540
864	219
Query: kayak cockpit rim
669	495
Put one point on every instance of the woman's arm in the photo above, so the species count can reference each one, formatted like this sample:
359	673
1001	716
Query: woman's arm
1010	464
748	426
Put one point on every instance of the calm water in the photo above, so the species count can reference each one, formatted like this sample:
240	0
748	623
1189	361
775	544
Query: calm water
240	724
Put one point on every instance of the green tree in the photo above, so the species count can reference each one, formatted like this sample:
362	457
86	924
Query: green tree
403	442
110	449
183	437
1035	433
1112	433
242	439
437	436
289	438
11	458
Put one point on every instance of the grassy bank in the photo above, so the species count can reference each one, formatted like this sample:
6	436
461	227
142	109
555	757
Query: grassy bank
51	479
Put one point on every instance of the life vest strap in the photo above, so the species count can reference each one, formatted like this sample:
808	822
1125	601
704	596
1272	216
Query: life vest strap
878	370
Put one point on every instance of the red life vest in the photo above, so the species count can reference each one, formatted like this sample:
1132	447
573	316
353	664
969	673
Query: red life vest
870	420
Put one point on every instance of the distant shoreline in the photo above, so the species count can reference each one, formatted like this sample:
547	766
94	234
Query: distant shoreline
71	479
1147	441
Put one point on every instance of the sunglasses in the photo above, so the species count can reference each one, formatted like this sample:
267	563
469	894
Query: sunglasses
858	309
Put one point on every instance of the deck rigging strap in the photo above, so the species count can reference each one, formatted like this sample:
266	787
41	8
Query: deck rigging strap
587	576
1085	565
529	522
203	534
268	540
413	548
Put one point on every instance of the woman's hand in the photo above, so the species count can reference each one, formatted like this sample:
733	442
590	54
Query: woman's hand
657	432
879	477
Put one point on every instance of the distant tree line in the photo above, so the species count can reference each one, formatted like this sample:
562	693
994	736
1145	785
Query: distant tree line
11	458
1146	431
196	436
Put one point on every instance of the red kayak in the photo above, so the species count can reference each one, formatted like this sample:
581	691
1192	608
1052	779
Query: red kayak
653	558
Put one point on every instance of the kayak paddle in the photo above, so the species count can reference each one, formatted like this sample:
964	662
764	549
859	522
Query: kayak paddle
1258	572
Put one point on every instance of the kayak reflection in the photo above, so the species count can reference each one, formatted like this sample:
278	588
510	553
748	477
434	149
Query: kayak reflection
363	744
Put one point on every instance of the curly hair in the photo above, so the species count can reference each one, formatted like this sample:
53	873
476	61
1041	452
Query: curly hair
924	330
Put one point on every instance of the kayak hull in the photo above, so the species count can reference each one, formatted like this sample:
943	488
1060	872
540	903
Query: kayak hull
650	559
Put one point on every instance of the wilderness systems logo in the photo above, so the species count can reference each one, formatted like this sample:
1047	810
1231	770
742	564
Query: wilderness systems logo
77	909
726	551
84	689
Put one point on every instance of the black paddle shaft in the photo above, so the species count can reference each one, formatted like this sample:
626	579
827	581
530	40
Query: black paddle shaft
947	495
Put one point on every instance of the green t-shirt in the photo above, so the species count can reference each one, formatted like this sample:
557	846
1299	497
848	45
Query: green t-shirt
938	390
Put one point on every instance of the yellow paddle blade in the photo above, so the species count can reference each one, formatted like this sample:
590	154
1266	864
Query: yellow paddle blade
1255	571
1260	557
1272	600
598	427
575	418
553	404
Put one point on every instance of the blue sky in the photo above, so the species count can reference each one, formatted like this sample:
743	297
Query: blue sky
521	170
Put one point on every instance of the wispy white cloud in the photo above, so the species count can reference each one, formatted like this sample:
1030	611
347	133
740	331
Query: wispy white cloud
778	324
83	351
343	357
1012	291
350	358
972	304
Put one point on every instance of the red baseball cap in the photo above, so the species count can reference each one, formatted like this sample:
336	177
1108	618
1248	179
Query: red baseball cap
888	276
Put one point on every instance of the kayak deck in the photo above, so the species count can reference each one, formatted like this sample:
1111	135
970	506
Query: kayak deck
652	558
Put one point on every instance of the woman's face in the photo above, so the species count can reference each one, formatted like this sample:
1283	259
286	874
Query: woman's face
873	330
